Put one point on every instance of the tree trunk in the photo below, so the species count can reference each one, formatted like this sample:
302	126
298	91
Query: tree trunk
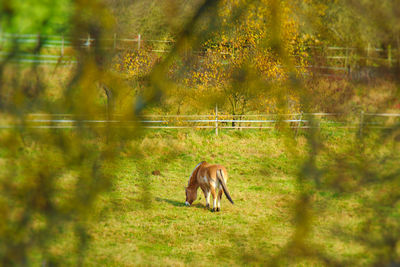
110	102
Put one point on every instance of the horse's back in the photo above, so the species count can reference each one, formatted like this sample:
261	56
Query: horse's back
210	171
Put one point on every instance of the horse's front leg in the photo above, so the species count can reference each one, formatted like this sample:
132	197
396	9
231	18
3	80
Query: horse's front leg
219	200
207	197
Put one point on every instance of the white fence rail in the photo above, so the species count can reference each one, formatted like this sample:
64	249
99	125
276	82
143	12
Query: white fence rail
217	121
338	59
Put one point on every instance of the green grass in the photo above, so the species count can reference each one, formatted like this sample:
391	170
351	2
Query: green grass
147	222
144	220
344	211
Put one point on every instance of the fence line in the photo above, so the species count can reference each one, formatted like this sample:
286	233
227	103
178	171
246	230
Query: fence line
340	63
35	37
60	40
216	121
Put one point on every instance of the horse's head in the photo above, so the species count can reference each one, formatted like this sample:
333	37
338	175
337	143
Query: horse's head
191	195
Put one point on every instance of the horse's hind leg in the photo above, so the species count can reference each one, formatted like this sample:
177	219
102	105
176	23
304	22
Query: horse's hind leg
219	200
214	195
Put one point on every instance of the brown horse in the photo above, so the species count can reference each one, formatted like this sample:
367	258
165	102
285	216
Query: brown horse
210	178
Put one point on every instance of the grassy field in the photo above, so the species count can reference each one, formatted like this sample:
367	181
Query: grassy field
143	219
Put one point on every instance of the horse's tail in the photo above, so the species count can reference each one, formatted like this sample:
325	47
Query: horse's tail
221	179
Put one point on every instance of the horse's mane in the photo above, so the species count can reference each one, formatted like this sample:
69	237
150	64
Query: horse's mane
194	173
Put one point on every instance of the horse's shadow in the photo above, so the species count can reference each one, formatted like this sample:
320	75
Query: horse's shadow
179	203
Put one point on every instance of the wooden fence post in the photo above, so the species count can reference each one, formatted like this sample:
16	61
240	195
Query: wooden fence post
115	41
360	129
88	42
390	55
138	42
62	45
1	38
216	119
368	53
299	124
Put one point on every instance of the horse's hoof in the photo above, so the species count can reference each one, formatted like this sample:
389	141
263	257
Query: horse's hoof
213	210
207	205
218	209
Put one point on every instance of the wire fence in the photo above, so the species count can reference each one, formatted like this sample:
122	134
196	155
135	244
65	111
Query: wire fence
58	47
217	121
326	60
